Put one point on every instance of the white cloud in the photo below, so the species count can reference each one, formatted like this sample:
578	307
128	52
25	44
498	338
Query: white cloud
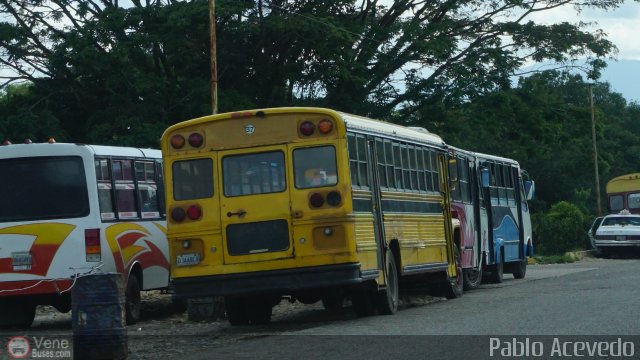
622	25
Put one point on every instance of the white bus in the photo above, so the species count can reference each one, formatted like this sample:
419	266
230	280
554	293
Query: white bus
72	209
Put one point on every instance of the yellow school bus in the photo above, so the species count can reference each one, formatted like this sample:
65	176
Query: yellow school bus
306	203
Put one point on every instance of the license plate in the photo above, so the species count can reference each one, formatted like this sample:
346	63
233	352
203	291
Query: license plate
21	261
621	238
188	259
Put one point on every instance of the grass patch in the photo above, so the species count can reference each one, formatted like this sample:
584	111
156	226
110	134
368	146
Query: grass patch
554	259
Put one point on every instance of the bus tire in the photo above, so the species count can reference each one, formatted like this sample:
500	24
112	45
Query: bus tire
520	269
133	300
497	270
333	300
236	311
472	278
388	297
363	299
17	314
259	311
454	287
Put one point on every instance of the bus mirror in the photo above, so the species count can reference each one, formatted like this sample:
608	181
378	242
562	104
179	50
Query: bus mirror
453	174
529	189
484	175
453	170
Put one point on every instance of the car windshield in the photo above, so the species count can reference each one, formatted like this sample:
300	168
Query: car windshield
621	220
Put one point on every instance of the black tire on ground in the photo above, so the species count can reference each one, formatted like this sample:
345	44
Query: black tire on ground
454	287
363	299
388	297
333	300
520	269
16	314
236	311
133	300
472	278
258	311
497	270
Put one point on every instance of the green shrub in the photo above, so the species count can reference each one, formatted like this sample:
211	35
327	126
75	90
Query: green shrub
561	230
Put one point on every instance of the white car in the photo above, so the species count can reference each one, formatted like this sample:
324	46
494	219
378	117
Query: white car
618	231
591	233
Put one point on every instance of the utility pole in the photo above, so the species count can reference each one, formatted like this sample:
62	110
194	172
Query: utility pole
213	55
595	148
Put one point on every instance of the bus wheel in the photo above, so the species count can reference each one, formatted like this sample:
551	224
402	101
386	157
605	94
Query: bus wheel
497	270
388	297
472	278
362	299
236	311
133	301
259	311
16	314
520	269
333	299
454	287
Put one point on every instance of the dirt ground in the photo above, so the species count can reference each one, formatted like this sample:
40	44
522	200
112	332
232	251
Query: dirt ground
165	332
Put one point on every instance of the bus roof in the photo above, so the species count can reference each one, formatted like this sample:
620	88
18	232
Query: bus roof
354	122
486	156
389	129
624	183
46	149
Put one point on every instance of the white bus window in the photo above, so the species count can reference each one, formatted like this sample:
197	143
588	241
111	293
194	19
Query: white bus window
37	188
125	189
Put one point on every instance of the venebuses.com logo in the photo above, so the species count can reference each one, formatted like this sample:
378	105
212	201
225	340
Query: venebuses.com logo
21	347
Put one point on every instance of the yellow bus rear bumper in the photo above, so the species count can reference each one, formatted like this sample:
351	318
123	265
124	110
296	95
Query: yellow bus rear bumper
281	282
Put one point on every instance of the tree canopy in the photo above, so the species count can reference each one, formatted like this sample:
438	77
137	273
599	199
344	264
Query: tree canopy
120	72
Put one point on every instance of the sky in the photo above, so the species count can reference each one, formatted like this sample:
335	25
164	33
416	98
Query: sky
621	25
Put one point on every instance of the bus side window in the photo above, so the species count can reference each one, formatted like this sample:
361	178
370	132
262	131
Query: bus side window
125	189
105	199
147	189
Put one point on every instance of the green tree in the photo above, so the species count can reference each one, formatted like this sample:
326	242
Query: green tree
562	229
117	74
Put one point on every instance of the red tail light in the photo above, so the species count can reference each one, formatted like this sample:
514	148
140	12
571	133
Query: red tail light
92	245
307	128
194	212
178	214
196	140
177	141
316	200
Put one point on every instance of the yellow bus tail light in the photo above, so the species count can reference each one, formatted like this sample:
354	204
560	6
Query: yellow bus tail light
177	141
307	128
196	140
334	198
325	126
194	212
92	245
178	214
316	200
